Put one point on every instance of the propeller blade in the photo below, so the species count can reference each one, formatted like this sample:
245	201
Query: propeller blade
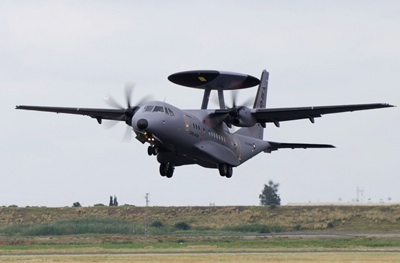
108	124
128	134
144	100
109	100
234	98
129	110
128	94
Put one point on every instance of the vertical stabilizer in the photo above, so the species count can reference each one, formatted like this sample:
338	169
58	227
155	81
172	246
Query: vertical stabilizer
261	97
257	131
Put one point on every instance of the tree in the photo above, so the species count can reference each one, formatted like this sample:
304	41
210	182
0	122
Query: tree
113	202
76	204
269	195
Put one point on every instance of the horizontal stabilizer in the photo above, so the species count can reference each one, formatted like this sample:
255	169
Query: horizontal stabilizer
274	146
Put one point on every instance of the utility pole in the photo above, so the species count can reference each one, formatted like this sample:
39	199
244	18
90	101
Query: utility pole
360	195
147	214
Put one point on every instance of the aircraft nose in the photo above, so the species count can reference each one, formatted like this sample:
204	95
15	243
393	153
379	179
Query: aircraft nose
142	124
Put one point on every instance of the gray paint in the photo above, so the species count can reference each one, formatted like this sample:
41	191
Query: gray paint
181	137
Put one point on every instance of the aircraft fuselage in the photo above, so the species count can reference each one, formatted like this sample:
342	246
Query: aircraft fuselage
188	137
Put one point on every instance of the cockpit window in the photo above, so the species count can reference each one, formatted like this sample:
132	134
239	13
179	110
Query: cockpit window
148	108
158	108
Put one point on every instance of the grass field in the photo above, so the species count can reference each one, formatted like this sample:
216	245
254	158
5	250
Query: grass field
178	258
200	234
285	218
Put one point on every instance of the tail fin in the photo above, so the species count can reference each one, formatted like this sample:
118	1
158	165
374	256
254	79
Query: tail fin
261	97
257	131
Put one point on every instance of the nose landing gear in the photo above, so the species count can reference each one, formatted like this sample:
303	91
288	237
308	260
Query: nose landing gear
152	150
225	170
167	169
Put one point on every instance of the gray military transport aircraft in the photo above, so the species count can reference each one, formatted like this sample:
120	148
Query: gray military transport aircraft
203	136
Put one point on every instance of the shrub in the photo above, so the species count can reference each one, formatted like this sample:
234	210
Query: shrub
254	228
182	226
76	227
157	223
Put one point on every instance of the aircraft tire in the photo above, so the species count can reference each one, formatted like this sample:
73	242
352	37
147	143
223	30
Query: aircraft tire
223	169
229	171
163	169
152	150
170	171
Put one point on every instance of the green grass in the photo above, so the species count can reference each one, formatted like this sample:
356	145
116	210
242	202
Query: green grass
254	228
75	227
110	225
117	243
180	220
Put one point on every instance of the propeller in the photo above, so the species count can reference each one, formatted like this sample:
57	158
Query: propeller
235	109
129	110
239	115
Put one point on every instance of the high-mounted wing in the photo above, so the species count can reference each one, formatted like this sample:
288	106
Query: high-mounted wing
245	117
98	114
288	114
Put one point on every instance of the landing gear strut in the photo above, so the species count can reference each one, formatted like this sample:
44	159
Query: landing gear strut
167	169
225	170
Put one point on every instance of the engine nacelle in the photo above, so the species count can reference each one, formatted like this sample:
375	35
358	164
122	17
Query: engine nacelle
241	117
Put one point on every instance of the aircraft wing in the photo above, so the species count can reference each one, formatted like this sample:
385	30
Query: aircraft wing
276	115
99	114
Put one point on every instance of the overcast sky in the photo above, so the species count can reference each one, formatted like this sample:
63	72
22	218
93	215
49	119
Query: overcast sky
75	53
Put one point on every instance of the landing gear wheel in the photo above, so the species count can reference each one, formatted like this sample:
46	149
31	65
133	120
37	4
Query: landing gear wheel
170	171
167	169
229	172
163	169
225	170
152	150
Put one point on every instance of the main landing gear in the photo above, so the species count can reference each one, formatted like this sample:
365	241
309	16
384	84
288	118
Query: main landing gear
167	169
225	170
